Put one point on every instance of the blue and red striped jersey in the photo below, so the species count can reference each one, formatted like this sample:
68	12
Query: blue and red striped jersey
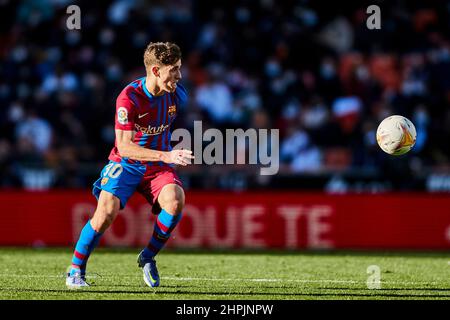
150	117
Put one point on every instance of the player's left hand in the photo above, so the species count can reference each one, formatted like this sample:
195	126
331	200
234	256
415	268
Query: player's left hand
180	157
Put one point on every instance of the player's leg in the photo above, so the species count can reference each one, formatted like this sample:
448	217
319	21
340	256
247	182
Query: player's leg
171	200
115	186
107	209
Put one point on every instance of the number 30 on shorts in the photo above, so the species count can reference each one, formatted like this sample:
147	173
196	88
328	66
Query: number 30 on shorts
113	170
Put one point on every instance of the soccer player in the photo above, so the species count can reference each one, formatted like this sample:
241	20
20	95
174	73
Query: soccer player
142	160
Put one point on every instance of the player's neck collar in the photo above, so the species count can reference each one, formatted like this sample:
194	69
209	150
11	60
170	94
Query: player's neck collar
147	93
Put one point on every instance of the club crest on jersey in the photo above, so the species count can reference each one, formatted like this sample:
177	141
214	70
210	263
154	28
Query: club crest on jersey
104	181
122	115
172	111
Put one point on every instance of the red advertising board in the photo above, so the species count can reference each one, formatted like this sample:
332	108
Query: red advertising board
285	220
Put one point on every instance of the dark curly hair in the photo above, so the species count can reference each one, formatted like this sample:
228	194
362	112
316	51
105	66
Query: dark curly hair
161	53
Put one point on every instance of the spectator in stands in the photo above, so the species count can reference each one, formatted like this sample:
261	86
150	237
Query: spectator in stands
319	75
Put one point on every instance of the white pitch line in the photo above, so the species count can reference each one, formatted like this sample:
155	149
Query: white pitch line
257	280
179	278
297	280
232	279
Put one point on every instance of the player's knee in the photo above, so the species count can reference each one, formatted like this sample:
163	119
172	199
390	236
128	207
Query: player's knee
105	214
109	217
108	213
171	199
102	219
174	206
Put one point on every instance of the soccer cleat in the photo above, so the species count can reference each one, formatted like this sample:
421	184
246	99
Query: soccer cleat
151	276
76	281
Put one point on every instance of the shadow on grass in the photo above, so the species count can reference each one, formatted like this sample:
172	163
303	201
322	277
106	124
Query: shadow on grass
362	289
377	294
390	289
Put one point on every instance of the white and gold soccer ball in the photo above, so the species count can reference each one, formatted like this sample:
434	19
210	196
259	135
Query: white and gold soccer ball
396	135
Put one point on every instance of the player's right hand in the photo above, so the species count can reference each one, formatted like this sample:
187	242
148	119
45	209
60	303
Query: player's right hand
180	157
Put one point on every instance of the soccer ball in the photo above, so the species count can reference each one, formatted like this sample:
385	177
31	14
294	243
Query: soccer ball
396	135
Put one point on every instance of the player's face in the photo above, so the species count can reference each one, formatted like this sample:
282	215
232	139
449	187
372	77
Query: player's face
169	76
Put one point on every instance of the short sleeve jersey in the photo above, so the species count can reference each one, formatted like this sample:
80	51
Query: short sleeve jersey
150	117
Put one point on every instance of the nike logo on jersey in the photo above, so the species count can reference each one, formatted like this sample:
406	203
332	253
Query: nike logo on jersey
142	115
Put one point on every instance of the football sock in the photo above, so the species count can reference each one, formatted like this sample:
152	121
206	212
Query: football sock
164	224
89	239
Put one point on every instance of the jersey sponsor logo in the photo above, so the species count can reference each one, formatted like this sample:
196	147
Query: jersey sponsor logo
122	115
172	111
152	131
142	115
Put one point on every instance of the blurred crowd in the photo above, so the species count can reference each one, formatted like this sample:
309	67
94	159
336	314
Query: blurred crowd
314	72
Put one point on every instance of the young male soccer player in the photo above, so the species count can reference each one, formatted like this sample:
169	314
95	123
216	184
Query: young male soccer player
141	160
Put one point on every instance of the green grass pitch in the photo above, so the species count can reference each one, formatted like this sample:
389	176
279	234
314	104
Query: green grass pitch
38	274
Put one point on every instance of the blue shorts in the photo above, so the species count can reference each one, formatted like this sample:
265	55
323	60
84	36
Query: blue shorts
121	179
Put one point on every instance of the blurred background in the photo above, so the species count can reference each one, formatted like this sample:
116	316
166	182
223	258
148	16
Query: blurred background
315	72
311	70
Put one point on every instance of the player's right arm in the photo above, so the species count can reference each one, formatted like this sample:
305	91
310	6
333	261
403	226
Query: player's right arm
128	149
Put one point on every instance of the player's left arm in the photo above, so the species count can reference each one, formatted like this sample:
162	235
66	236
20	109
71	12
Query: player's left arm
127	148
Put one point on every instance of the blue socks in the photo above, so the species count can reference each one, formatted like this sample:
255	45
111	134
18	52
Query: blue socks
165	223
89	239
